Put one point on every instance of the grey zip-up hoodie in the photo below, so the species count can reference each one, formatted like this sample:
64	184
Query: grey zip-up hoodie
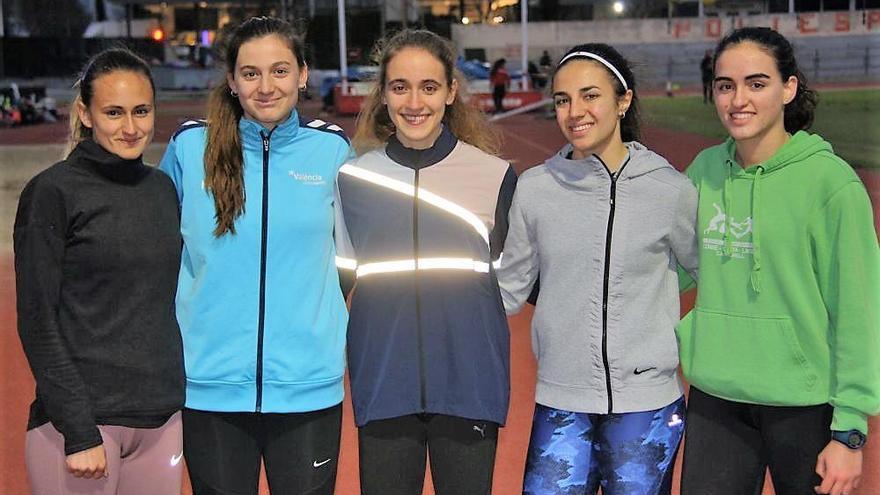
607	251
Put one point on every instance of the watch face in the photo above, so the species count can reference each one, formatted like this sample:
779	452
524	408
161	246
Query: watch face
855	439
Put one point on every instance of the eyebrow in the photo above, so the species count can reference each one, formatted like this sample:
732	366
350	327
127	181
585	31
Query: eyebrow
254	67
759	75
581	90
423	81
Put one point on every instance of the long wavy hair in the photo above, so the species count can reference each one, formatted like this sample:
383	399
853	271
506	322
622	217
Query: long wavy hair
465	121
105	62
224	161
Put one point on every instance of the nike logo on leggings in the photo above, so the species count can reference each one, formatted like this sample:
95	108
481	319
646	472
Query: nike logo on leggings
319	464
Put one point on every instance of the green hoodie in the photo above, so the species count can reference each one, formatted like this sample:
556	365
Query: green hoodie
789	283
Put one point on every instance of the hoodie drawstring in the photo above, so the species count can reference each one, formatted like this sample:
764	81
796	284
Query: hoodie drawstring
756	256
728	207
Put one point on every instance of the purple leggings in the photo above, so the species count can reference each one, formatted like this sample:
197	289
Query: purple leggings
140	461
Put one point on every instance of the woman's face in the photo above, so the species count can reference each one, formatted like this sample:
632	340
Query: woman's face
267	79
587	107
121	114
416	94
749	93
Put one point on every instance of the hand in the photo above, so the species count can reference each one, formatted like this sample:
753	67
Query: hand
840	468
90	463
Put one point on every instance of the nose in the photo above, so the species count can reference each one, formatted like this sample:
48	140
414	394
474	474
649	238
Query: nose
128	126
414	101
740	97
576	109
266	86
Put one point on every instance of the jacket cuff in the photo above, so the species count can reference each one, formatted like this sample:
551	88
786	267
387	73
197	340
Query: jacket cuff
847	418
80	442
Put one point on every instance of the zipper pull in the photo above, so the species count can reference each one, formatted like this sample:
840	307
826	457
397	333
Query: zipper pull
611	200
265	142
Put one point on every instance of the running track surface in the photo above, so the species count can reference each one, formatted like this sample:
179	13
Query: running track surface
528	140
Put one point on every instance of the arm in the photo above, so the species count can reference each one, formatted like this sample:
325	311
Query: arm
39	241
519	265
848	268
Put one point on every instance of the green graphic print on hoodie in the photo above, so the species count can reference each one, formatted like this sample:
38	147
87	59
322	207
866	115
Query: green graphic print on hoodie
789	283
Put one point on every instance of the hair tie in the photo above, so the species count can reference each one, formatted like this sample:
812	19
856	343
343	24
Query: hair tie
598	59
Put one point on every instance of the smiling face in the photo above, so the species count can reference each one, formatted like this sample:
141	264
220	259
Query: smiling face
121	113
750	95
416	93
588	109
267	79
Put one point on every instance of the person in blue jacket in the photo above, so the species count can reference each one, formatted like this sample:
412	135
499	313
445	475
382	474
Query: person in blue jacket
425	215
258	302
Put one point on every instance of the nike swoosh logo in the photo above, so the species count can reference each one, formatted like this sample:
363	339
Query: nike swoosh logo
639	372
175	459
319	464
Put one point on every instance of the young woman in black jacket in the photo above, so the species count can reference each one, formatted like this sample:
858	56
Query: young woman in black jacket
97	251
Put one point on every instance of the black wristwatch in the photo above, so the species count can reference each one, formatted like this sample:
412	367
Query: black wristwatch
854	439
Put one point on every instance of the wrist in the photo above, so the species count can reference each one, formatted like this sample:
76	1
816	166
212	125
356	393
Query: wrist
852	439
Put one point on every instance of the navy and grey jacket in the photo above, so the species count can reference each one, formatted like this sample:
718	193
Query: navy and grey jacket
427	331
607	248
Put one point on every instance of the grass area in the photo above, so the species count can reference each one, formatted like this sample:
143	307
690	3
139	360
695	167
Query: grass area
848	119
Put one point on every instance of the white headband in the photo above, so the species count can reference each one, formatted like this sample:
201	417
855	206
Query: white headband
598	59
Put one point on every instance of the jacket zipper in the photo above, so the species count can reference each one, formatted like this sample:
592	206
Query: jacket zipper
264	235
605	276
419	337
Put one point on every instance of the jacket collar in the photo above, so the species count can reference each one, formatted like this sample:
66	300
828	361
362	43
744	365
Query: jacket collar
419	159
92	157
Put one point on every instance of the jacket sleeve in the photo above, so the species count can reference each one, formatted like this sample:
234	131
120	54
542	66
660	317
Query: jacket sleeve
171	166
39	235
847	261
519	265
346	259
502	209
683	238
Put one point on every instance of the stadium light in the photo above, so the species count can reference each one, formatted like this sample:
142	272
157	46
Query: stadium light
617	7
465	21
157	34
498	19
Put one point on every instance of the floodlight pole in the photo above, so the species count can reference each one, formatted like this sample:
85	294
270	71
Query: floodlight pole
524	26
343	48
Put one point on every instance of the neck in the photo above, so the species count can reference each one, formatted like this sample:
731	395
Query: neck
760	148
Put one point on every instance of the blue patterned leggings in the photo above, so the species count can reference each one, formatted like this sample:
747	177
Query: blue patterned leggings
626	454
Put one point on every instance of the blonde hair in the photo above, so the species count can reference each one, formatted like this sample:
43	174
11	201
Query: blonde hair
466	122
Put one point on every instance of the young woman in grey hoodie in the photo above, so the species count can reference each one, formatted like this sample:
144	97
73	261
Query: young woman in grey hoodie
606	222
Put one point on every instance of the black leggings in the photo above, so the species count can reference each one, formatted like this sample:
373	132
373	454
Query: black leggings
300	451
728	446
498	93
462	453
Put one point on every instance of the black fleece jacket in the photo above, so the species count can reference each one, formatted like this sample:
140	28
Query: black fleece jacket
97	252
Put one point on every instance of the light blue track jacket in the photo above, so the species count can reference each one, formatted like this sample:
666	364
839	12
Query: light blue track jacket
261	313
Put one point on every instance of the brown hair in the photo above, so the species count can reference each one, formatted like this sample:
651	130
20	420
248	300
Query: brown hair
224	162
466	122
105	62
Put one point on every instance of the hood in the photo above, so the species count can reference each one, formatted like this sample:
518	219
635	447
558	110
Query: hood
591	172
801	146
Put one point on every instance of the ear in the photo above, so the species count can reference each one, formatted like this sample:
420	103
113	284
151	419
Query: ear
84	116
230	81
303	76
453	90
624	102
789	89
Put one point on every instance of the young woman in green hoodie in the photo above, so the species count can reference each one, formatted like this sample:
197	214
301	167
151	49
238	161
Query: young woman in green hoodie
781	347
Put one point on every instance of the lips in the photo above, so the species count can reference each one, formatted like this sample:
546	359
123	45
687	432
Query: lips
740	117
130	142
415	119
580	128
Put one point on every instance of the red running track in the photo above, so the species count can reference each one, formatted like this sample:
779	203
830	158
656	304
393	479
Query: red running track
529	139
